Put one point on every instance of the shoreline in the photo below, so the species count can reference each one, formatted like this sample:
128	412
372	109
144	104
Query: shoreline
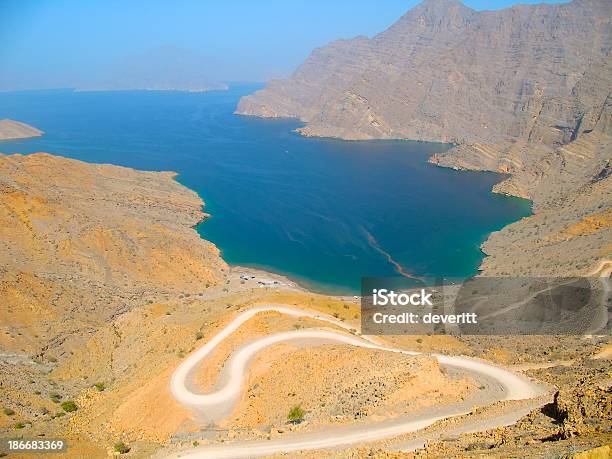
504	177
299	284
260	276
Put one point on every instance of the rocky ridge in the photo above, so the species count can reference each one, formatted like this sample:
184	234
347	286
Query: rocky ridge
81	244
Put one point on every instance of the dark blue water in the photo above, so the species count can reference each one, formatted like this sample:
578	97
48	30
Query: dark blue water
325	212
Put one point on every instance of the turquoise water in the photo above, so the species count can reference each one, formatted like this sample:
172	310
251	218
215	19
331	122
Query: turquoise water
324	212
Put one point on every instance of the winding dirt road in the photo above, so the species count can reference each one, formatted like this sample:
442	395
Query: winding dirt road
513	387
218	403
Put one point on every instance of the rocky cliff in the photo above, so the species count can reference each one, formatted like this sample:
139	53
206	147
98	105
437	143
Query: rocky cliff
524	91
10	129
444	72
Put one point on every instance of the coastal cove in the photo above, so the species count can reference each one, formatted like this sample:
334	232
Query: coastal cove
322	212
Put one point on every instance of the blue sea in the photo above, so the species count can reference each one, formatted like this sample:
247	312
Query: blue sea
324	212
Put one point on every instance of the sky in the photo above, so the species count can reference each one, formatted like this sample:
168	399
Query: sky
74	43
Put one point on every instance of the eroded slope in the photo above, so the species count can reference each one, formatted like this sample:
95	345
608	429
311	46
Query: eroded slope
92	241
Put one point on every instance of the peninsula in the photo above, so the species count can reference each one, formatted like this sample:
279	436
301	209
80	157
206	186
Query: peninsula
10	130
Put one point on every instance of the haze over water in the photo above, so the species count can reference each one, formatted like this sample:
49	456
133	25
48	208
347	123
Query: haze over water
324	212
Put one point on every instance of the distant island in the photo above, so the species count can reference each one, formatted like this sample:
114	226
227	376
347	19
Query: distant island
158	87
164	68
10	130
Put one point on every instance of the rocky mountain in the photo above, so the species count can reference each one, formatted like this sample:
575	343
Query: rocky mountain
444	72
524	91
10	129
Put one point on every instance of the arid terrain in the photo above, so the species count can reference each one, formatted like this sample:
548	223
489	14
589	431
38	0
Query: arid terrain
108	288
85	248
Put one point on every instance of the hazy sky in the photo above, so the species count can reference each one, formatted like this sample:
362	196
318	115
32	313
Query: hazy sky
67	43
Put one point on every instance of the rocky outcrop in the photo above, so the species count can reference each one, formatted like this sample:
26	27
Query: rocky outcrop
10	129
583	410
570	186
524	91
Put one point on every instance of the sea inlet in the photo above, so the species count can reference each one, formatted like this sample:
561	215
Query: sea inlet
324	212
